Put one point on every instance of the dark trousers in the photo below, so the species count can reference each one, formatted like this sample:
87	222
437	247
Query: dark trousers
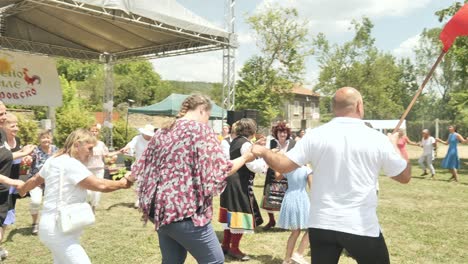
326	247
177	238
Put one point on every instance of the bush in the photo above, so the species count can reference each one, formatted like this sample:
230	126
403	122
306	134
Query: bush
28	130
118	134
68	120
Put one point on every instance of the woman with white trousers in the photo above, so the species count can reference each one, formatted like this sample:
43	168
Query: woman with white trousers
68	162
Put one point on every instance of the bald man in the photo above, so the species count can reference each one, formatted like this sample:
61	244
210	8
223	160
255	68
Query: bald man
347	157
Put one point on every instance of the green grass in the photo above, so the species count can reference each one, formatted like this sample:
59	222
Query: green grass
425	221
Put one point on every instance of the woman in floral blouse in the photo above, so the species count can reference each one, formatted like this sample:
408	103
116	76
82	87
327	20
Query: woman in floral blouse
178	175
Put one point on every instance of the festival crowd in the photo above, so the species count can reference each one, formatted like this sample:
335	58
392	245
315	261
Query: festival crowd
323	184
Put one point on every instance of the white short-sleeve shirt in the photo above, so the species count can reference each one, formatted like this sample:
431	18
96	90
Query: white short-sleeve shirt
74	172
138	145
428	145
347	157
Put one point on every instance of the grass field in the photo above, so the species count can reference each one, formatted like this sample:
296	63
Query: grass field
425	221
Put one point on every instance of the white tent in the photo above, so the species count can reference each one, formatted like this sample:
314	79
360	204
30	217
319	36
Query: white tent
87	29
382	125
108	31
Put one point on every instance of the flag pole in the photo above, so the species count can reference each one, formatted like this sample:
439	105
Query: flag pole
426	80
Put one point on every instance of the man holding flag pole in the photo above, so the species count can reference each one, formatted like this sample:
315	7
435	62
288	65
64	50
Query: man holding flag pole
347	157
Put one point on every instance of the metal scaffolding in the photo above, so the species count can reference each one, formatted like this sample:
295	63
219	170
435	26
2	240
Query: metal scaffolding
229	58
175	40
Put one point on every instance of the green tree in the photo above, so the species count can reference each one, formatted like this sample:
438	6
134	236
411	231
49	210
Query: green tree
254	90
72	114
76	70
449	82
134	80
266	80
385	84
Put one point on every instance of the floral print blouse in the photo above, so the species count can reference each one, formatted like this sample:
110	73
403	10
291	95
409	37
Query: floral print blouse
181	169
39	157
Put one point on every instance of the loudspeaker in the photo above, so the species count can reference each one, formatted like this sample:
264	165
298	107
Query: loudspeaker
251	113
233	116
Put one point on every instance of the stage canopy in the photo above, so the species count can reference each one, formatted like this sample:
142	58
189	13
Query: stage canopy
171	106
122	29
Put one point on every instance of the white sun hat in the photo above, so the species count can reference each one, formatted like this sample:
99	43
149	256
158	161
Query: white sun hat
148	130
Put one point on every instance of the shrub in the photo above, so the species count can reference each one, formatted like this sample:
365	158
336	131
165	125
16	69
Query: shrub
28	130
68	120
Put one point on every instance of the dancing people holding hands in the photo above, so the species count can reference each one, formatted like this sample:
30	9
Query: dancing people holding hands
239	211
347	157
66	180
178	175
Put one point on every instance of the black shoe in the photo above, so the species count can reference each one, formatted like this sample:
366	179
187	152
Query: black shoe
269	226
424	174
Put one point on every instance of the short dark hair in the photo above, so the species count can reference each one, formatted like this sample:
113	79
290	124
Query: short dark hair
246	127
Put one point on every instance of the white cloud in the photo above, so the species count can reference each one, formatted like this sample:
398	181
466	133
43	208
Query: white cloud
406	48
334	16
245	37
207	67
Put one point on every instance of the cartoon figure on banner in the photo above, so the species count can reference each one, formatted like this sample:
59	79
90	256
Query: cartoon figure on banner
32	79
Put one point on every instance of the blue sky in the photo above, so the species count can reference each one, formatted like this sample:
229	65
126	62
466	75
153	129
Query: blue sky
397	24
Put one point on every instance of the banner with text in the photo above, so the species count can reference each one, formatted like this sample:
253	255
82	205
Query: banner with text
27	79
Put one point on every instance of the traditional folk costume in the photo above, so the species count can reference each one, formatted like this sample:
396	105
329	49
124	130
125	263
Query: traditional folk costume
239	211
274	190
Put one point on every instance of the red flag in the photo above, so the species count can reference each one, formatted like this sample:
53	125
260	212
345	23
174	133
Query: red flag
457	26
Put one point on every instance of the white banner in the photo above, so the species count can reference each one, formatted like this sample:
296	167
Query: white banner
27	79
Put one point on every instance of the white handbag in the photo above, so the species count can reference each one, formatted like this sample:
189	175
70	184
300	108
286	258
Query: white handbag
73	217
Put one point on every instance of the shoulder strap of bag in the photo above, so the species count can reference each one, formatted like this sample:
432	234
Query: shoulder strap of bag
60	200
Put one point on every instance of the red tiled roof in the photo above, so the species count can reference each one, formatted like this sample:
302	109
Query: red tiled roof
299	89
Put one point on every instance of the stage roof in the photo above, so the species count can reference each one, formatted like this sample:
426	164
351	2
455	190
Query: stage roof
87	29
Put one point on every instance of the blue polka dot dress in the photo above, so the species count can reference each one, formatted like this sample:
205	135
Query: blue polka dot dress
294	213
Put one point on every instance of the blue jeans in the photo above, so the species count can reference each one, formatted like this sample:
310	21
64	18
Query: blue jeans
177	238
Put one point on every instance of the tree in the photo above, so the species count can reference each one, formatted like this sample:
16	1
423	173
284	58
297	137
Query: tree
385	84
75	70
135	80
451	79
254	90
72	115
266	80
283	39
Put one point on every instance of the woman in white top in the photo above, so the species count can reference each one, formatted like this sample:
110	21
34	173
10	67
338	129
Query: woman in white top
77	179
139	143
96	164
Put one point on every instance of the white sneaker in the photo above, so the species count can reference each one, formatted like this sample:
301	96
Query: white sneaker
299	259
3	254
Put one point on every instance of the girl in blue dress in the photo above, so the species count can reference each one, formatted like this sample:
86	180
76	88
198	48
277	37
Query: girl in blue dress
294	213
451	160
